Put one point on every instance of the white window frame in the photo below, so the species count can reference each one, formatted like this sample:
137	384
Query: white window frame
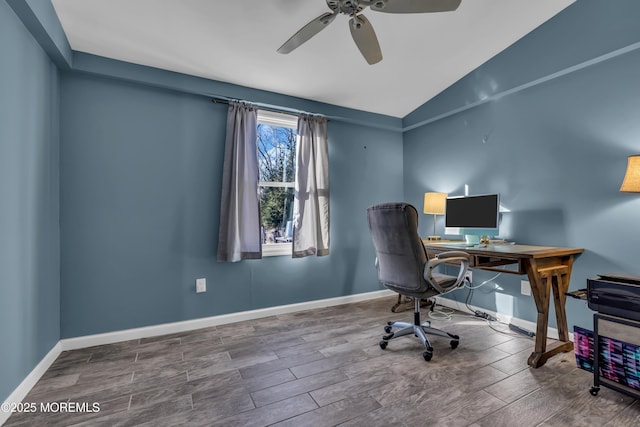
277	119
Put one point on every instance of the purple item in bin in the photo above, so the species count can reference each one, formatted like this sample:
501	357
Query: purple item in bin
631	365
583	348
611	359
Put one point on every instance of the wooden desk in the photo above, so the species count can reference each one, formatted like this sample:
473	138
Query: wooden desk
548	268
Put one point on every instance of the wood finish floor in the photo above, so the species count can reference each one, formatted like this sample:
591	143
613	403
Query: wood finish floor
324	368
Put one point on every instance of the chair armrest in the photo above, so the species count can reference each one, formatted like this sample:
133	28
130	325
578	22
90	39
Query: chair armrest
461	257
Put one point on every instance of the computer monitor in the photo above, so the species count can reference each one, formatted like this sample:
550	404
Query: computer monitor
472	216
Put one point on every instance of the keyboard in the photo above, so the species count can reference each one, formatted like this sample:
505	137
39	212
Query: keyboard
460	245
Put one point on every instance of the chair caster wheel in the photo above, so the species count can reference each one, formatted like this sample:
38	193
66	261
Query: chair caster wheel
388	329
383	344
594	390
454	344
428	354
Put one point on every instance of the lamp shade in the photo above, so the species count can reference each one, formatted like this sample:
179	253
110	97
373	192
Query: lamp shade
434	203
631	182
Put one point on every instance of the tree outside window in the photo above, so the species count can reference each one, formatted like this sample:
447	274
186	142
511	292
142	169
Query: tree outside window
276	157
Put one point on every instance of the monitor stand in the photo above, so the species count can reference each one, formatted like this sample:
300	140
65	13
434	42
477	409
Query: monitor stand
472	239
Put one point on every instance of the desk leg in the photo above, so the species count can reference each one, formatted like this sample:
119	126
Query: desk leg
553	274
560	286
540	293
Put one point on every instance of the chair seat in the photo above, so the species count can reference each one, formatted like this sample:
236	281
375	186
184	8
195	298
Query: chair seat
444	280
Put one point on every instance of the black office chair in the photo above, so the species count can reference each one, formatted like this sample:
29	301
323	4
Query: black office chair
403	267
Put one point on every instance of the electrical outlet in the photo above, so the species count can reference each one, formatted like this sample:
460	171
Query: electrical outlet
201	285
525	287
469	275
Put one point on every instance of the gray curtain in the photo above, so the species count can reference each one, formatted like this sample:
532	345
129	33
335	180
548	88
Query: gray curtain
311	202
239	232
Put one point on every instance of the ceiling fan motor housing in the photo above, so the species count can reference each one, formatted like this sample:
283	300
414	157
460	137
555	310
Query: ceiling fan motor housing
348	7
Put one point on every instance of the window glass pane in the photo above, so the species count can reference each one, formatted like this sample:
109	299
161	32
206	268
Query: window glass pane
276	153
276	211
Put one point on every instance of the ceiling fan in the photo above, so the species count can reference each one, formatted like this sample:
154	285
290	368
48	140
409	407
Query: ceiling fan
361	30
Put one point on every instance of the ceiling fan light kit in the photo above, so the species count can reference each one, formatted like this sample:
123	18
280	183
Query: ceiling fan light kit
361	29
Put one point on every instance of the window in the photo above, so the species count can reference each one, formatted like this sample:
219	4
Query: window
276	159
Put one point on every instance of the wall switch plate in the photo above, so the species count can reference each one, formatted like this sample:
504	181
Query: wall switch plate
525	287
201	285
469	275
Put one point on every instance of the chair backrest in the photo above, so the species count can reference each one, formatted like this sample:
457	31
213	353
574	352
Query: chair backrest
401	256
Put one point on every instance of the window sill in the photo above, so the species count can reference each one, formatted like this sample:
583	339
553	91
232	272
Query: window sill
276	249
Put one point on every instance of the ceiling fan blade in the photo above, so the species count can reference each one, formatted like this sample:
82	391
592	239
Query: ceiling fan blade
365	38
414	6
308	31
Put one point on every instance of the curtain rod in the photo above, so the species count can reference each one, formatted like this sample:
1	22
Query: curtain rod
217	99
276	109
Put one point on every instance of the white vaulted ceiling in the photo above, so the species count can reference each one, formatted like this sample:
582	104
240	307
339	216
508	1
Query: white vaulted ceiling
235	41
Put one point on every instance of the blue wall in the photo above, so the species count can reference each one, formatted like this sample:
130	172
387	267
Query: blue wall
40	19
554	146
29	203
140	191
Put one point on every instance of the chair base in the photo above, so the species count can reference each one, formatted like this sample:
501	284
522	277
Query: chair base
418	329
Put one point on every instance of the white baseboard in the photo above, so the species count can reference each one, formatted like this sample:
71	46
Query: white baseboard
27	384
205	322
504	318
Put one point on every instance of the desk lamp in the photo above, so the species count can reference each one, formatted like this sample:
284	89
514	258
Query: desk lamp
631	181
434	203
